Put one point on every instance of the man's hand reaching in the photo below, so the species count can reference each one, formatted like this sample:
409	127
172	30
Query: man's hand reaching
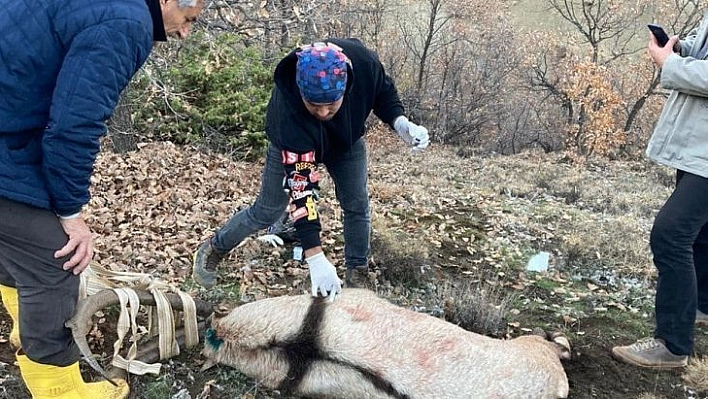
323	276
80	244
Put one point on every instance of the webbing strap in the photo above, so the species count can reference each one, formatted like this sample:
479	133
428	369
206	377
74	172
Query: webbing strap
127	320
165	325
189	316
96	278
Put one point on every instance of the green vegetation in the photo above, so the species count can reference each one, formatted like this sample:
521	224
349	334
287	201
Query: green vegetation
214	94
159	387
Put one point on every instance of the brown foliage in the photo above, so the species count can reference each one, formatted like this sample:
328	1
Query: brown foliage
598	128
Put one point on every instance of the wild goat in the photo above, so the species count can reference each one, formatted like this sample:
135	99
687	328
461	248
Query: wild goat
362	346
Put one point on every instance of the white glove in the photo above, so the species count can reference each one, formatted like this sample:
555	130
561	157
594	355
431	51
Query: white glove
323	276
271	239
412	134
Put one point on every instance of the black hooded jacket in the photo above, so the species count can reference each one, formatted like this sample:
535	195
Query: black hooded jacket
291	127
307	140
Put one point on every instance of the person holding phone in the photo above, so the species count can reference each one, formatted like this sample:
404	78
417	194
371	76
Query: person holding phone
679	236
661	37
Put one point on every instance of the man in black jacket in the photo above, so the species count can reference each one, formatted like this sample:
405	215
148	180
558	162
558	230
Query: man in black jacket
317	114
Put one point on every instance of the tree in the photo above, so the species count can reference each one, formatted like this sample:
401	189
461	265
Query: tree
681	16
605	41
457	55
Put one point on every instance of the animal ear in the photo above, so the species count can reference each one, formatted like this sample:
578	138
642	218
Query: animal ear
563	345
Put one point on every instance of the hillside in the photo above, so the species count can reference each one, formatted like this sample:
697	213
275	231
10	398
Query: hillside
447	230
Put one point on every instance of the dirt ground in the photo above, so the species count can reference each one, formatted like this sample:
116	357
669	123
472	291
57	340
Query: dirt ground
593	373
595	221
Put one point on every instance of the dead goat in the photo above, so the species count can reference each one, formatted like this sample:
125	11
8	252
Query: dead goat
362	346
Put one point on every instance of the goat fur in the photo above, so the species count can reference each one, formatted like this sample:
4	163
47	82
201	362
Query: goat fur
362	346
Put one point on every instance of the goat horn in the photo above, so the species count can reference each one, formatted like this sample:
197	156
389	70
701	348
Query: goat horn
150	352
80	324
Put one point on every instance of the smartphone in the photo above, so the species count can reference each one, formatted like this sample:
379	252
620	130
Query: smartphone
659	34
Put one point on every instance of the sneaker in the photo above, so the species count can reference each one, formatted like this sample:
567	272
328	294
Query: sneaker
206	260
701	318
357	277
649	353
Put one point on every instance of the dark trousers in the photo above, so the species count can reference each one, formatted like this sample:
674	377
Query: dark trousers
47	294
349	175
679	243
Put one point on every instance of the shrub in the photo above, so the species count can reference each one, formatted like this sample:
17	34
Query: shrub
214	93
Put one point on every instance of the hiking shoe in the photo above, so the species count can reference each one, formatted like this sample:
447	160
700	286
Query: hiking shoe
650	353
701	318
206	260
357	277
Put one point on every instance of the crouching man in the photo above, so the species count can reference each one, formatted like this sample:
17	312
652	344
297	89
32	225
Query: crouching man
323	94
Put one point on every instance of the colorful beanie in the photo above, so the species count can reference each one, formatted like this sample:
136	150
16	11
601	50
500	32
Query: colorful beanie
321	73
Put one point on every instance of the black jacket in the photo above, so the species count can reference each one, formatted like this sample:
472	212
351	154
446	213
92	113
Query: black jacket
290	126
306	141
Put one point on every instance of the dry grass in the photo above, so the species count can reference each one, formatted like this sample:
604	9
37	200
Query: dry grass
398	258
696	374
475	306
650	396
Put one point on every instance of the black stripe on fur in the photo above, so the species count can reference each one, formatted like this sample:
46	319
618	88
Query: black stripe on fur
304	349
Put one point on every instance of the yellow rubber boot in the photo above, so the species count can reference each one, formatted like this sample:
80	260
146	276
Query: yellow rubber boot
9	299
45	381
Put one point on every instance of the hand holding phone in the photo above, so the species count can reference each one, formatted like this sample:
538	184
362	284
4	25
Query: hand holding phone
661	37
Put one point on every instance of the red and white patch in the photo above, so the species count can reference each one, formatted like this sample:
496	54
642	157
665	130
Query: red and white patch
298	214
308	157
291	158
298	182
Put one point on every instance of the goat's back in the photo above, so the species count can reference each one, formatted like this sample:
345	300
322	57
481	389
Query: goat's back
363	346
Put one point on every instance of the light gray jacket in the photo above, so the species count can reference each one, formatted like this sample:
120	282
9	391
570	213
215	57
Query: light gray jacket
680	138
